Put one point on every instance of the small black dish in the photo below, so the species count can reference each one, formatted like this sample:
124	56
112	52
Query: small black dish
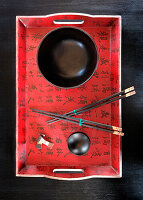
67	57
78	143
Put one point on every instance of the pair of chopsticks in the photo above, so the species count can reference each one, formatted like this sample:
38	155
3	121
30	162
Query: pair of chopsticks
123	94
86	123
99	126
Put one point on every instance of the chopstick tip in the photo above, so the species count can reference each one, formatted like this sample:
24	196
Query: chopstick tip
116	128
129	89
130	93
118	133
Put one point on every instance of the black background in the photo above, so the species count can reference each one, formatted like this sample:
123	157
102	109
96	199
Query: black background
130	186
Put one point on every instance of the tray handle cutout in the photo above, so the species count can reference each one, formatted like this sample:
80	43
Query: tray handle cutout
63	171
68	21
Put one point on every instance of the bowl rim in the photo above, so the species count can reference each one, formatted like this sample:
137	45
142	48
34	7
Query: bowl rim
63	27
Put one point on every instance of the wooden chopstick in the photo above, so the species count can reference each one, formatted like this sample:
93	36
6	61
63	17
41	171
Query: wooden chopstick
61	117
96	104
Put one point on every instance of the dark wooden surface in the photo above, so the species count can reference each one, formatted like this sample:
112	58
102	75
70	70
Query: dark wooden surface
130	186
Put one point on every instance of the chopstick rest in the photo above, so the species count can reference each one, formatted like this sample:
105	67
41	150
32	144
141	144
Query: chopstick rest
41	141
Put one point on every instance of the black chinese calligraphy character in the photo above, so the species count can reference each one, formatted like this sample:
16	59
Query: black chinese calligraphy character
69	100
58	140
82	99
59	151
103	61
59	98
104	114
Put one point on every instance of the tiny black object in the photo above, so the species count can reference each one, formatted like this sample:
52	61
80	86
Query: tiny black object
67	57
78	143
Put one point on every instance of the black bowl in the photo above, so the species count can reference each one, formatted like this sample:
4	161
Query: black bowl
67	57
78	143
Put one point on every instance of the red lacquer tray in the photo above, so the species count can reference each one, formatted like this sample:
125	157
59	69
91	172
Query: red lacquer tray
33	91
